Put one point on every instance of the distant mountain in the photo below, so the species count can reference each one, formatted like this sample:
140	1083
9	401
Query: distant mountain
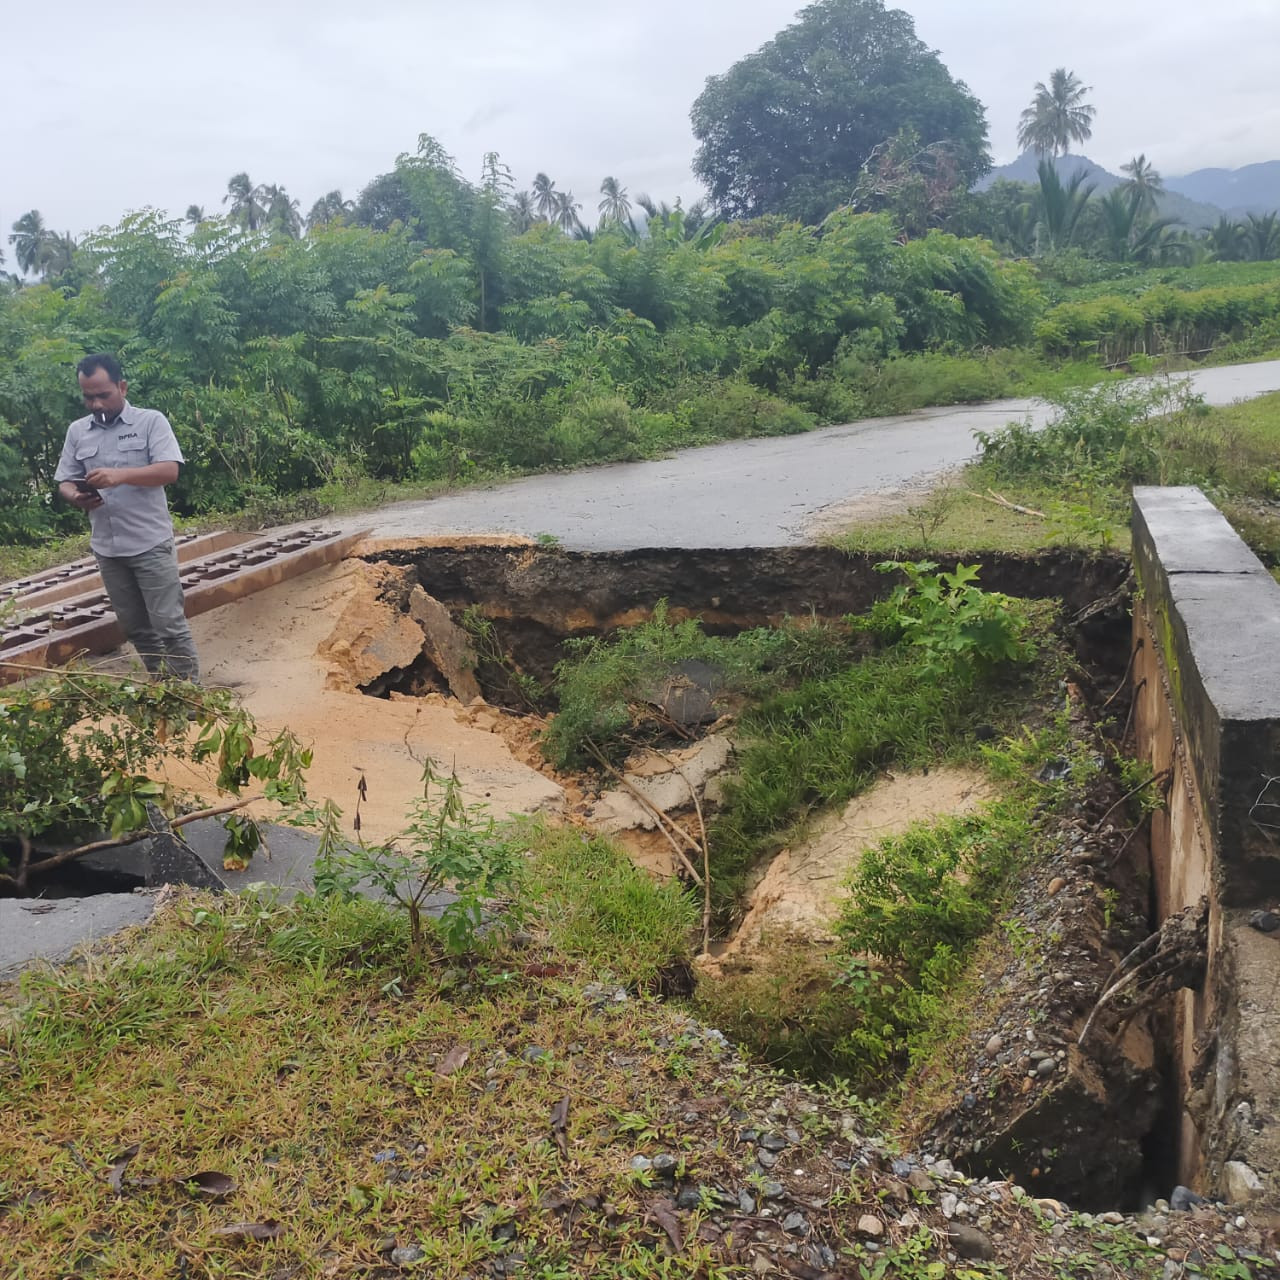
1175	203
1253	189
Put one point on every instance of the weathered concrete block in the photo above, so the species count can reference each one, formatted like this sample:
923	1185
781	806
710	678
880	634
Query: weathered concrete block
1215	613
1208	616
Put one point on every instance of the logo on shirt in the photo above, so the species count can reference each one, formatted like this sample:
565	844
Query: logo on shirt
127	435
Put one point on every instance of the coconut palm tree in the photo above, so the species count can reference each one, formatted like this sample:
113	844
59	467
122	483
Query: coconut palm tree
195	215
329	208
59	250
524	212
565	211
30	240
1058	115
247	209
545	196
283	217
1144	182
615	207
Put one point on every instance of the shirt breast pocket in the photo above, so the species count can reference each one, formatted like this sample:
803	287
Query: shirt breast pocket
87	452
131	453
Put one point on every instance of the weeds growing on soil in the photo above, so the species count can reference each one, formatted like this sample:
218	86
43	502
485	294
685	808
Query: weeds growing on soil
600	911
610	689
1068	485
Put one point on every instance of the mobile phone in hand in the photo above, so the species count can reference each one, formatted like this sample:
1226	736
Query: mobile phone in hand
85	487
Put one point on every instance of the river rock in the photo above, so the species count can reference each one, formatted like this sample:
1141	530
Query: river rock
870	1227
1240	1182
969	1242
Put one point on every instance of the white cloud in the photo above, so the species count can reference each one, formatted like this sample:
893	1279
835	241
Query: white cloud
150	103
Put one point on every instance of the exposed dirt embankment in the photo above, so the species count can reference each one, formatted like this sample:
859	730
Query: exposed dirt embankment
537	596
801	890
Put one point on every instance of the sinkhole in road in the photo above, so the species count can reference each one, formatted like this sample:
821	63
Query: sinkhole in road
1002	1119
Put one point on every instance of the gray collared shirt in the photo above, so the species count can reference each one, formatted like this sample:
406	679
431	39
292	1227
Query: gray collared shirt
133	518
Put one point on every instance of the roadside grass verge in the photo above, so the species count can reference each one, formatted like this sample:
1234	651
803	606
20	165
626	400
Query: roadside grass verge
285	1068
250	1089
1077	473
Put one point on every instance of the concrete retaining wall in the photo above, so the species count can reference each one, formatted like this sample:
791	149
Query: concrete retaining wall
1206	677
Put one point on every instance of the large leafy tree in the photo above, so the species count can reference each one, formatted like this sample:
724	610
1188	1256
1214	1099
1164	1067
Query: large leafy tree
789	128
384	202
1058	115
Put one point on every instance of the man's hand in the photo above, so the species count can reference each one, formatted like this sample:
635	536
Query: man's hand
78	498
109	477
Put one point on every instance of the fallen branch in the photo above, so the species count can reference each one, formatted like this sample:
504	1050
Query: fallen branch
663	820
27	868
995	498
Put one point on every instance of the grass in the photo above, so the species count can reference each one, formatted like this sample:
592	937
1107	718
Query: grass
251	1089
601	914
1230	452
356	1102
959	516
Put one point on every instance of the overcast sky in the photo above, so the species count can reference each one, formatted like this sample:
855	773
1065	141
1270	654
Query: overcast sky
107	107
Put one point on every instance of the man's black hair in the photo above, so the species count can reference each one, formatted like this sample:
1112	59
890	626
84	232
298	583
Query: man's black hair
108	364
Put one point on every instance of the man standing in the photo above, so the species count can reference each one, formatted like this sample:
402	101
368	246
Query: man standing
114	465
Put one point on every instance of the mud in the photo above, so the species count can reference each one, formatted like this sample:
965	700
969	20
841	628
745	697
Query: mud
803	889
297	656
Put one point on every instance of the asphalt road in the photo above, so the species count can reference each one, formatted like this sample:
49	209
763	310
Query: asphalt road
745	493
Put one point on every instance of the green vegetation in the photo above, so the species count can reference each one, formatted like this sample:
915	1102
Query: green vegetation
608	689
600	912
917	904
447	846
1072	479
80	754
439	330
783	129
820	709
441	1118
